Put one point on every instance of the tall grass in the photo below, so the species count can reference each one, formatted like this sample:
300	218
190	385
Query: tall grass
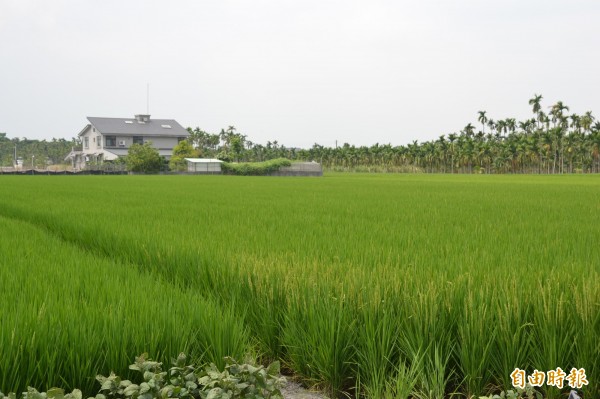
374	285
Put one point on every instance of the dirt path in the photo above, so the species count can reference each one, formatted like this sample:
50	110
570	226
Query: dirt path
293	390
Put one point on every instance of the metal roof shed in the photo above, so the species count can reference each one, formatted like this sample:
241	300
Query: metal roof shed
204	165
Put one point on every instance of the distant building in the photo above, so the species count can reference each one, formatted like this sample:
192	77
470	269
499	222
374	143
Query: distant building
300	169
106	139
204	165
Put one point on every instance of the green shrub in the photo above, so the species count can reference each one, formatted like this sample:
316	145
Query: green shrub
254	168
186	381
181	381
518	393
53	393
143	158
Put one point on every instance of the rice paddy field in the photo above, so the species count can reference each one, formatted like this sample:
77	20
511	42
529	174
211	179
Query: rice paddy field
376	286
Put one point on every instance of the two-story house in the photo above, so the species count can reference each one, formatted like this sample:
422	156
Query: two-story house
106	139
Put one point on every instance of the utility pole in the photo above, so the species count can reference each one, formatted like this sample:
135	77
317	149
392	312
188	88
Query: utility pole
15	158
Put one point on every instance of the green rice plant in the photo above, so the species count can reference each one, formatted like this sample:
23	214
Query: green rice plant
61	328
476	336
428	333
512	347
221	335
586	319
319	336
264	306
404	379
378	330
553	332
435	376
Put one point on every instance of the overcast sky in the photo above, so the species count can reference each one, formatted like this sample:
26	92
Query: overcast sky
299	72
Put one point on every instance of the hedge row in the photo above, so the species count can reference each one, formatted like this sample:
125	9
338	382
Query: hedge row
254	168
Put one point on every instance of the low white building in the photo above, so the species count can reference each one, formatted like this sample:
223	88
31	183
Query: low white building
204	165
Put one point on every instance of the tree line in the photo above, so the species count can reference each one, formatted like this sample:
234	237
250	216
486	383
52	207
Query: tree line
552	141
41	153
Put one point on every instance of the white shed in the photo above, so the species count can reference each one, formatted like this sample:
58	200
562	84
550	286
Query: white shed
204	165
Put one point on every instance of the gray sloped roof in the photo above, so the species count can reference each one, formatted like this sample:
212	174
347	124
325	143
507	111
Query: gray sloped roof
151	128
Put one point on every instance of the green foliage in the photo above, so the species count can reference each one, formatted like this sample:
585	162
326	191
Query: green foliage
182	150
181	381
236	147
143	158
517	393
204	141
10	396
241	381
44	152
254	168
188	381
53	393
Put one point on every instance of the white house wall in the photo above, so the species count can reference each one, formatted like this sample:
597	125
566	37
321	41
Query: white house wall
92	135
89	135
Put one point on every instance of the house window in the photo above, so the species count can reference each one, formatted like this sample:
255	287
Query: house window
99	142
180	139
110	141
86	142
138	139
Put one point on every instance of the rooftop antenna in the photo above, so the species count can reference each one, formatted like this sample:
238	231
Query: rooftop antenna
147	98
